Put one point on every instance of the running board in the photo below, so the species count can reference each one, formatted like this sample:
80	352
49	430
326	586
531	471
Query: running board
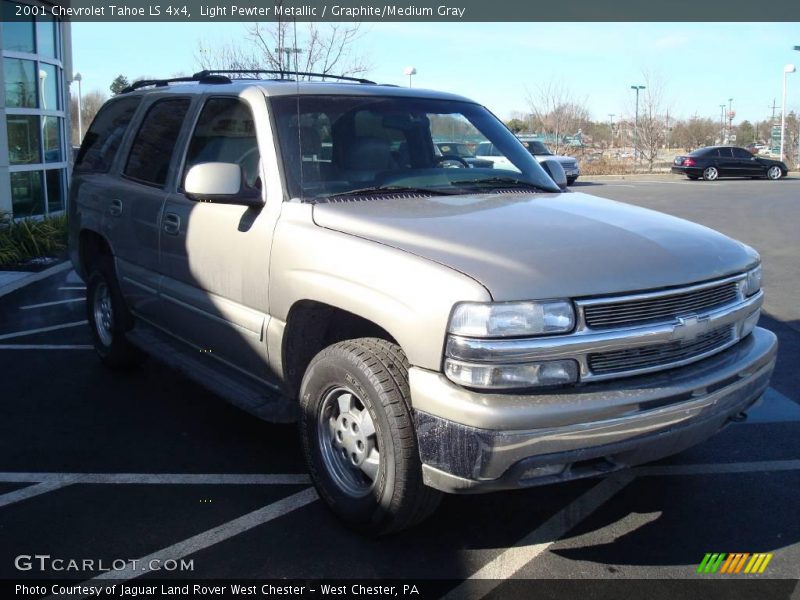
259	399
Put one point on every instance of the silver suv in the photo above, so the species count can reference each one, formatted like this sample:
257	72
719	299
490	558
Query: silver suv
301	249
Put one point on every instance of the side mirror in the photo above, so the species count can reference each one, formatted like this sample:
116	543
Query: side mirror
221	183
556	172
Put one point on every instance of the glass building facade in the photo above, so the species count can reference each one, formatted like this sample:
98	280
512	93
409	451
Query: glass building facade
34	111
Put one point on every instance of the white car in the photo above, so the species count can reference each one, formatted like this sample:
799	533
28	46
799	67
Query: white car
487	151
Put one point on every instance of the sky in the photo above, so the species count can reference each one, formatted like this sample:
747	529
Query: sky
700	65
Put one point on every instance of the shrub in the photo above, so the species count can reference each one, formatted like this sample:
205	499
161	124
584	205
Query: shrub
26	239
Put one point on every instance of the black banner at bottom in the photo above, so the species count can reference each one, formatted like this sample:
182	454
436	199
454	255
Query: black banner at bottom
717	588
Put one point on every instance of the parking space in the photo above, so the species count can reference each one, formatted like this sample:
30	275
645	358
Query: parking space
146	465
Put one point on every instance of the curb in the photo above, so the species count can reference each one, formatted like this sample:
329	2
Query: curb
34	277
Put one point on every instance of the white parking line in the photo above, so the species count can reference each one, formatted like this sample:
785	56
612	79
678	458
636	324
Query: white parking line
31	491
540	539
16	334
44	347
44	304
160	478
73	288
208	538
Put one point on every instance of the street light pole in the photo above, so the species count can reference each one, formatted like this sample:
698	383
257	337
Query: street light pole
730	118
78	78
288	51
410	71
611	130
721	123
636	88
786	70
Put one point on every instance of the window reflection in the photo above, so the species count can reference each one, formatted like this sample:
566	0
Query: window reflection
17	31
23	139
51	131
20	83
46	36
27	194
55	190
48	86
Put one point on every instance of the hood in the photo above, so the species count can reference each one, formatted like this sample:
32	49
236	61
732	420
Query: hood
528	246
558	157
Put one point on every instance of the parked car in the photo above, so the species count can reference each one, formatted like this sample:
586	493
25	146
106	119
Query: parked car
727	161
432	329
540	150
464	152
488	151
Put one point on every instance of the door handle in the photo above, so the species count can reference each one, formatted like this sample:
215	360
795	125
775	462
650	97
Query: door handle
172	224
115	208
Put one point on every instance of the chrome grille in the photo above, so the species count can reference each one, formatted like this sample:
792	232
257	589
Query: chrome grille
659	307
660	355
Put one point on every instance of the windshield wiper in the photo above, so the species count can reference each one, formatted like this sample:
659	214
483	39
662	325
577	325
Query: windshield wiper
376	189
499	182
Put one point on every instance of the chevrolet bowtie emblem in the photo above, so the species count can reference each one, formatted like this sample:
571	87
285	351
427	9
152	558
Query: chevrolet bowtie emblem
689	328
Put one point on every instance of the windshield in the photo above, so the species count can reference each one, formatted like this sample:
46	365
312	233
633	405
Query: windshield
535	147
340	145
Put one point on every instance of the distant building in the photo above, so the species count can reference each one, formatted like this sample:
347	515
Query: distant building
34	111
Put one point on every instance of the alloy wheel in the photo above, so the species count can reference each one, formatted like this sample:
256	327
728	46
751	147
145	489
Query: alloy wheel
103	314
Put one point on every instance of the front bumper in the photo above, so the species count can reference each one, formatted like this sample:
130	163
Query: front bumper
477	442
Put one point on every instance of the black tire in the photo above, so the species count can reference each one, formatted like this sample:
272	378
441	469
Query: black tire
110	342
374	373
571	180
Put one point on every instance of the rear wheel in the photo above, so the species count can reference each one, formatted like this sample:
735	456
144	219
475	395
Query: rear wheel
774	172
710	173
109	318
359	439
571	180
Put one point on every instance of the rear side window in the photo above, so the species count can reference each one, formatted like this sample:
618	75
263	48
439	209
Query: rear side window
725	153
105	135
152	148
741	153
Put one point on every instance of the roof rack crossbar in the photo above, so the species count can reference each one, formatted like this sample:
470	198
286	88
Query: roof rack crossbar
282	74
199	77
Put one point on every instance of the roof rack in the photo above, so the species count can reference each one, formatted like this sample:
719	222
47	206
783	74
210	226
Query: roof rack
198	77
282	74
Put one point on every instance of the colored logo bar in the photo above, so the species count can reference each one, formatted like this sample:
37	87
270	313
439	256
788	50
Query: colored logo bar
734	563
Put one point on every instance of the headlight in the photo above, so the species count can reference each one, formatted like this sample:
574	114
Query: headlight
753	282
493	376
512	319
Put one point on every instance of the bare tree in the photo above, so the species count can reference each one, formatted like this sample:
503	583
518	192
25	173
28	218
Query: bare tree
556	112
90	106
326	49
650	132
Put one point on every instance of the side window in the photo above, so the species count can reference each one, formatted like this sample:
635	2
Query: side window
152	148
742	153
225	132
101	142
725	153
714	153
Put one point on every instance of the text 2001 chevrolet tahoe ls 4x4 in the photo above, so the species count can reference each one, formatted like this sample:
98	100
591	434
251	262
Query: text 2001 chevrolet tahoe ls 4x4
303	250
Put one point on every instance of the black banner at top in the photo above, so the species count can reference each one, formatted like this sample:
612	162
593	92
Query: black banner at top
177	11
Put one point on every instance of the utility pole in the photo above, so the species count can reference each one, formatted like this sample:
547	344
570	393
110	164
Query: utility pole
772	121
730	117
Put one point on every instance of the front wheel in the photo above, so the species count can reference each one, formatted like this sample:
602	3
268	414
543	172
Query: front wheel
571	180
710	173
774	172
359	439
109	319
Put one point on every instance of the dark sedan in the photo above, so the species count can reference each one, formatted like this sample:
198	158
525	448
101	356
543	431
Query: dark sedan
727	161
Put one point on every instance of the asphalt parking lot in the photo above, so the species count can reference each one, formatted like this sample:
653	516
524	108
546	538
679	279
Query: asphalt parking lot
146	465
